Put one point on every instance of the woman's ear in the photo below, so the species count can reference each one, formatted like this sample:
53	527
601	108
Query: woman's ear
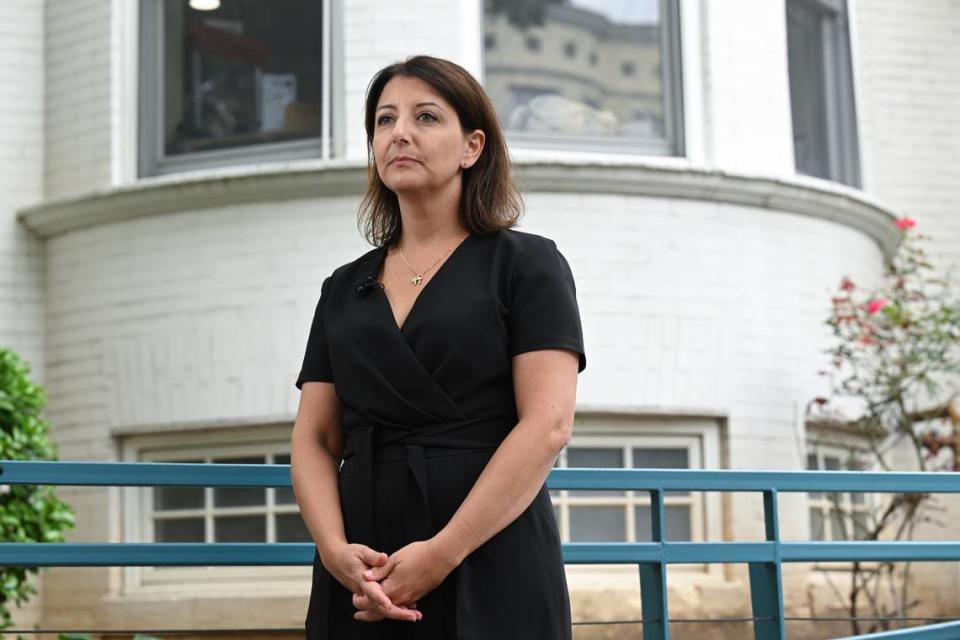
474	142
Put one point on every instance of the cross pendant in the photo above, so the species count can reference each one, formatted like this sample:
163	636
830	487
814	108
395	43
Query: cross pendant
417	279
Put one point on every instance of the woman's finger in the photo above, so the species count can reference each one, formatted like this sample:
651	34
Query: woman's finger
374	592
380	612
362	602
369	616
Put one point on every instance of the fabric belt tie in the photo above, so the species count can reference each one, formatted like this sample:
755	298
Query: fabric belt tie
377	442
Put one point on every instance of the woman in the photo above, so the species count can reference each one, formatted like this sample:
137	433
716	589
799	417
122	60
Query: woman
442	367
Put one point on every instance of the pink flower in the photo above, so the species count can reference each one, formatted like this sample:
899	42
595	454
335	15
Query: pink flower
905	223
875	305
846	284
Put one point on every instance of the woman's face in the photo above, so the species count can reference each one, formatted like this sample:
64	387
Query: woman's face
418	145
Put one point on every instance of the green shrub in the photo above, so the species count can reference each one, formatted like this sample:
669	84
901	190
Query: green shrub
28	513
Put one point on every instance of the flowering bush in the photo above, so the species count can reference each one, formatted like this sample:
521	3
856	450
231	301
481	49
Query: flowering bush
896	348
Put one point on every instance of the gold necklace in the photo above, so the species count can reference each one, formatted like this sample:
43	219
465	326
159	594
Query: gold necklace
418	277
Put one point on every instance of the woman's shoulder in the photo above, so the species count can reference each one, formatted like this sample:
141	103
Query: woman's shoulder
514	243
349	275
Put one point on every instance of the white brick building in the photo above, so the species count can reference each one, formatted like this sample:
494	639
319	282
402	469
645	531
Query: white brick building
161	281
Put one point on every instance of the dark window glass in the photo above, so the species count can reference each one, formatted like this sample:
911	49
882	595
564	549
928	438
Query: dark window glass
290	528
170	498
825	138
284	495
595	458
240	528
676	524
597	524
244	74
239	496
178	530
662	458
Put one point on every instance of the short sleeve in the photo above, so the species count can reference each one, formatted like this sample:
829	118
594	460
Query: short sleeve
543	306
316	361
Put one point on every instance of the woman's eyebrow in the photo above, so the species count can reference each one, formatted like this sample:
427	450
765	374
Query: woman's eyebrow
419	104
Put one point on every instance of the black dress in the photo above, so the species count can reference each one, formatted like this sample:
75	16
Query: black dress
424	408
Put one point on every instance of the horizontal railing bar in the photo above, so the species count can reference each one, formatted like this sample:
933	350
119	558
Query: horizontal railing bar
155	554
278	475
127	632
945	631
91	554
913	550
872	619
738	480
575	623
144	474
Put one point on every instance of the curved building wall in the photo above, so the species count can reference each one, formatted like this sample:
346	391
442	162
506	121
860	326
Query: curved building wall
176	309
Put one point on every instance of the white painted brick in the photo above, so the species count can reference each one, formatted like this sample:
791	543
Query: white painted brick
684	303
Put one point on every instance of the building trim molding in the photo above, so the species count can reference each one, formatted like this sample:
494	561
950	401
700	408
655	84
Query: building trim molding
310	179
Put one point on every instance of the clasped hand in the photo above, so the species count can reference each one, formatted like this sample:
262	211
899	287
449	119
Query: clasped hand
389	587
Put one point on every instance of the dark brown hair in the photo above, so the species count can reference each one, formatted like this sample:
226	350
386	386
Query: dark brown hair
489	200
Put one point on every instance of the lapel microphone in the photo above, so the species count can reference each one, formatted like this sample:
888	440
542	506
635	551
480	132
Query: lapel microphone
368	285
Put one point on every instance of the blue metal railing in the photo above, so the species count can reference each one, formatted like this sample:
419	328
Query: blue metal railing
764	559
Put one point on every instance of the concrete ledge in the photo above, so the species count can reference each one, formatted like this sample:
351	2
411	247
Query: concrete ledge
309	179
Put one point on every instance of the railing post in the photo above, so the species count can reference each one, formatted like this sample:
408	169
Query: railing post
653	579
766	580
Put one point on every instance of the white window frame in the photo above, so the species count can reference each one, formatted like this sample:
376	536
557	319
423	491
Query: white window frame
632	499
701	435
137	508
822	447
143	88
683	118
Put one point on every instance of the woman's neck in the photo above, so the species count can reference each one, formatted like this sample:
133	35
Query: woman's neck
427	226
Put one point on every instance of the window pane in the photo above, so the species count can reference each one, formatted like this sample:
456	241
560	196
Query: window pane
812	465
178	530
284	495
591	69
239	496
838	524
816	524
290	528
676	526
821	91
860	525
807	89
246	74
662	458
240	529
595	457
166	498
597	524
832	463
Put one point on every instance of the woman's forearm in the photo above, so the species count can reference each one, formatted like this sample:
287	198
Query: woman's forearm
313	473
506	487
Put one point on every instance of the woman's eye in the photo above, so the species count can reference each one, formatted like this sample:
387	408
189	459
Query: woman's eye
380	120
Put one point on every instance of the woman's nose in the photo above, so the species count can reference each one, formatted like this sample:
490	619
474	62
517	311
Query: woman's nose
400	130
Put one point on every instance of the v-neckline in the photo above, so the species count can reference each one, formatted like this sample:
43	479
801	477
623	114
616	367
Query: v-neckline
380	265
